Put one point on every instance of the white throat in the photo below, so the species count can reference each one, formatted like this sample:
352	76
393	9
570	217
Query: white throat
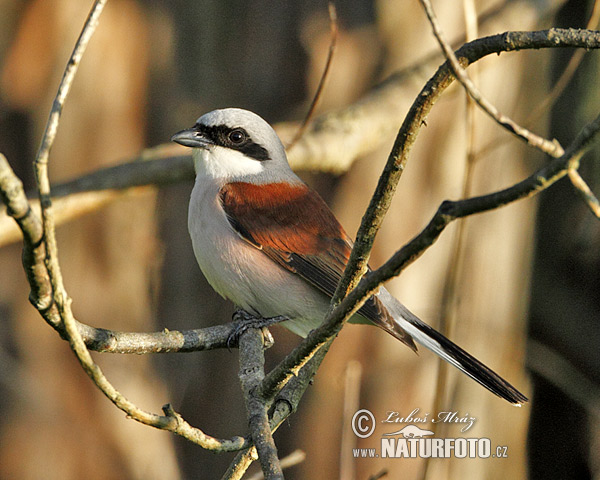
225	165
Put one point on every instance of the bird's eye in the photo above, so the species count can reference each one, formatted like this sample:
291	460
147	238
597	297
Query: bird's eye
237	136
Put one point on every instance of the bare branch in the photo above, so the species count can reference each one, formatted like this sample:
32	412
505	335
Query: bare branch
452	210
416	118
61	303
252	362
167	341
323	336
551	148
34	250
63	91
285	402
179	426
331	143
584	191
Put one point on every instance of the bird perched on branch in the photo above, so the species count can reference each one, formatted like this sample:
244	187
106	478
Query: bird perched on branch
271	245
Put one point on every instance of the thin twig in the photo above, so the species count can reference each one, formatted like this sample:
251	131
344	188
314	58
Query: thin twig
448	211
584	191
60	297
313	105
61	301
380	202
41	161
551	148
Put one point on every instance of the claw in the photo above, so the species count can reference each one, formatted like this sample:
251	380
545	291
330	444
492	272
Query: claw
244	320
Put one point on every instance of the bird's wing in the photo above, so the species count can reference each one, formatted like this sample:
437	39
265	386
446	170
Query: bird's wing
294	227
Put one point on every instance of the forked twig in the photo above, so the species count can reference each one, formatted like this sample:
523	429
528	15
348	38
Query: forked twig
314	347
61	301
322	337
551	148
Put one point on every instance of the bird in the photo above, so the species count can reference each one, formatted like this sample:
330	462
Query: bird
269	243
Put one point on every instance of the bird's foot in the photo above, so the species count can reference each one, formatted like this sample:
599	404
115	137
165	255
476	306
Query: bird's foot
244	320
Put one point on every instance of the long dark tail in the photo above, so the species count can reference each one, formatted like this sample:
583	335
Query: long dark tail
407	322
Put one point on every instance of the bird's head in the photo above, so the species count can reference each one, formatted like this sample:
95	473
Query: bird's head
236	145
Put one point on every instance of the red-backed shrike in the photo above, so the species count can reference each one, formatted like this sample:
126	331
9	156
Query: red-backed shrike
270	244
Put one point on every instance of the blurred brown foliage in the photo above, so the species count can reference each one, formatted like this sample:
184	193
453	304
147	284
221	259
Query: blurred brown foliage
152	68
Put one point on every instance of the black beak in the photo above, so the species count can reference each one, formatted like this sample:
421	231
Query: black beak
191	138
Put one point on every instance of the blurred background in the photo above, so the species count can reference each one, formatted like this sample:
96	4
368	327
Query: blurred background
521	289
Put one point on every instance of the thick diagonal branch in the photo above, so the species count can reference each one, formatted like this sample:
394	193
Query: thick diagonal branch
446	213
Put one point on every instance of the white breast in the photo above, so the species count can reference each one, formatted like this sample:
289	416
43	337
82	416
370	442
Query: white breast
244	274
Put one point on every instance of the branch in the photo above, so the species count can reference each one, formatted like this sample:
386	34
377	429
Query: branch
48	292
34	250
153	167
167	341
551	148
416	118
252	362
448	211
584	191
330	144
285	402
